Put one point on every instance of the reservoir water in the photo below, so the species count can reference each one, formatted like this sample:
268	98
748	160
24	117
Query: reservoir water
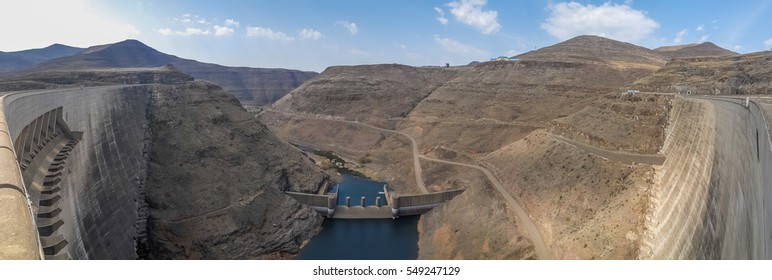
368	239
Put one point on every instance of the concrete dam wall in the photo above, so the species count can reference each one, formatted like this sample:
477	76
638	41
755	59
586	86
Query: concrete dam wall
708	197
91	142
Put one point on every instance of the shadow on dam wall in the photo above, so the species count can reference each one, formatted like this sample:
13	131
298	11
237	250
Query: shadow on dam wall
104	174
737	222
708	199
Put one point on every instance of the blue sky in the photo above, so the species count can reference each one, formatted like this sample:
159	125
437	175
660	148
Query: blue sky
311	35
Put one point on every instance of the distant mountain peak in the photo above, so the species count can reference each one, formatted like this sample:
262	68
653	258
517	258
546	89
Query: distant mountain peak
693	50
592	48
25	59
133	44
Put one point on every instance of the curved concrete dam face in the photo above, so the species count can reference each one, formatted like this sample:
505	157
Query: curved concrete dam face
87	210
710	196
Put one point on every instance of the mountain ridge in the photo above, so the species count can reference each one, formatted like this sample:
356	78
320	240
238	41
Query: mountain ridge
25	59
253	86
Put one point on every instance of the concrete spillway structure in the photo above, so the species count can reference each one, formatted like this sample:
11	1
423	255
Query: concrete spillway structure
708	200
83	188
396	205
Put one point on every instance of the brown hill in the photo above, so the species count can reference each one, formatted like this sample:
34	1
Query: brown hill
506	100
693	50
373	93
737	74
254	86
588	48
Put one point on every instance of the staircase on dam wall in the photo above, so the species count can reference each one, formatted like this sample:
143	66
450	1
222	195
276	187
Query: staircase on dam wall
43	148
677	198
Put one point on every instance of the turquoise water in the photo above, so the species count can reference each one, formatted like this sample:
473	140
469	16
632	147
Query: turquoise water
368	239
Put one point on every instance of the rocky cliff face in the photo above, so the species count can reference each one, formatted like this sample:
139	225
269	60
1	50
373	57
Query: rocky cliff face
215	181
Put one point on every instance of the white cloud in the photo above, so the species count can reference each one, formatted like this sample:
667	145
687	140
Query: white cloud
192	20
701	28
470	12
196	25
38	23
223	30
738	47
165	31
352	27
704	38
264	32
193	31
679	37
231	22
768	43
615	21
441	18
461	48
308	33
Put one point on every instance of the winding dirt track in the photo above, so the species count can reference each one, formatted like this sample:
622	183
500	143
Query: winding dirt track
623	157
524	219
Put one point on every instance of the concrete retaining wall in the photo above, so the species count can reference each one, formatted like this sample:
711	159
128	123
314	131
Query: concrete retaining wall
323	204
738	224
708	198
426	199
103	172
677	199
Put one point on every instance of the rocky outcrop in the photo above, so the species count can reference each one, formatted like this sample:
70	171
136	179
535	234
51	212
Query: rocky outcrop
215	181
